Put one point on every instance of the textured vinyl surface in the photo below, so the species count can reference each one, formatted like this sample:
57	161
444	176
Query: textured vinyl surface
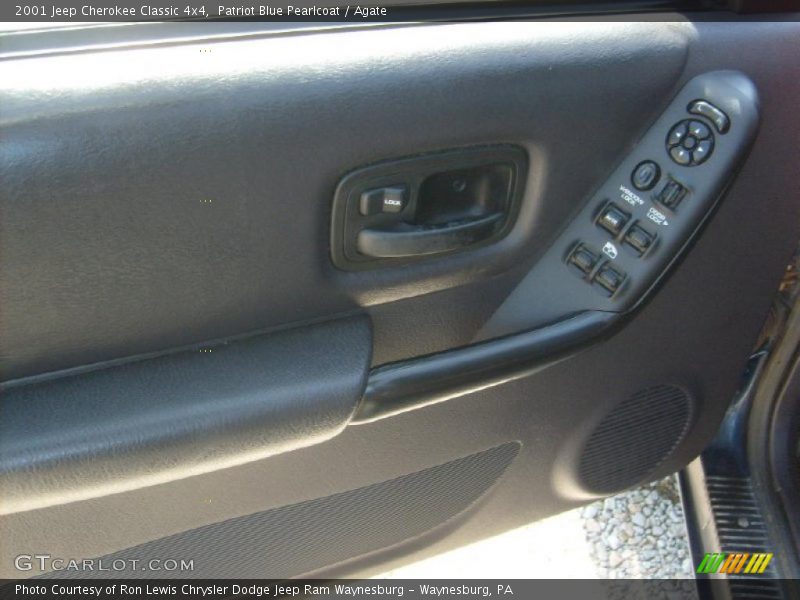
296	539
634	438
128	229
139	424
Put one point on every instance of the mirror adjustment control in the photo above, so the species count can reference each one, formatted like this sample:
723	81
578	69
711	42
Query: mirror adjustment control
702	150
613	219
609	279
676	134
690	142
681	155
712	113
698	130
639	239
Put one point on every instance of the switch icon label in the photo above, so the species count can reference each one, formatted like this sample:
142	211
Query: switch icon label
610	250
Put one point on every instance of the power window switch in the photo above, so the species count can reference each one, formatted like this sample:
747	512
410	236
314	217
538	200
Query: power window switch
583	259
638	238
609	279
613	219
671	194
390	200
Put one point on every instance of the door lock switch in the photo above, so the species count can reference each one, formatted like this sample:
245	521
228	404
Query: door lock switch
608	279
639	239
613	219
583	260
671	194
390	200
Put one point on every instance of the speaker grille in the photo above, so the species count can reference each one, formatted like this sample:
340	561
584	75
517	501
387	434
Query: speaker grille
634	438
299	538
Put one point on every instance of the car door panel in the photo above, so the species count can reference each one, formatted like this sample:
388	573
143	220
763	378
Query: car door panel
182	200
208	268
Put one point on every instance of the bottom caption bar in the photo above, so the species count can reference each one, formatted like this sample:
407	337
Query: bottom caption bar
367	589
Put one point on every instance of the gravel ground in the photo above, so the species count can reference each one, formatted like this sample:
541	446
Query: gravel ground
640	534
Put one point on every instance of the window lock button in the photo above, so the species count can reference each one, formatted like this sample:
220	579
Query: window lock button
613	219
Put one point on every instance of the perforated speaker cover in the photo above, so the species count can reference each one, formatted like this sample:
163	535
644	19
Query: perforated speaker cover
634	438
300	538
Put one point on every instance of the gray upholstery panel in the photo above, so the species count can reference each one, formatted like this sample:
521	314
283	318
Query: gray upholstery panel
159	197
143	423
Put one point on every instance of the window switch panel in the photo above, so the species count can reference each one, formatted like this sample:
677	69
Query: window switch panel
664	204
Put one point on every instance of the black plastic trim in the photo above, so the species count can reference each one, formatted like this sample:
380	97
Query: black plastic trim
673	223
402	386
421	241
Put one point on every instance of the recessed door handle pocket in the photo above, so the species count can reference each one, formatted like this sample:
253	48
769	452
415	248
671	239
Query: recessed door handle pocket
406	240
410	209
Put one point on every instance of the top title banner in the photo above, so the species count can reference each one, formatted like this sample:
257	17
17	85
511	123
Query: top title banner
135	11
199	10
343	11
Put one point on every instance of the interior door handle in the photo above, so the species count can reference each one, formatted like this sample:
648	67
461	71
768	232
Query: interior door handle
406	210
418	240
